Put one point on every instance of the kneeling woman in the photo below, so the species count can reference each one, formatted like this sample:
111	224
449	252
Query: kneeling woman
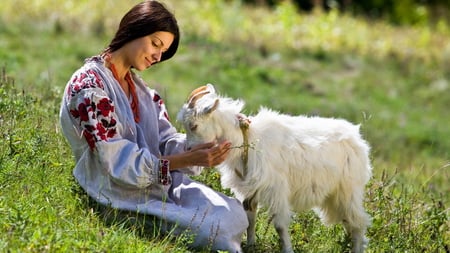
128	155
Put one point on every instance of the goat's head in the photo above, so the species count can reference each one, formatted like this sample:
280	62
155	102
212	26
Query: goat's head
197	115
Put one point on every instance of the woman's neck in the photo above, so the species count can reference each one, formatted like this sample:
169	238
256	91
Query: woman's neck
119	64
115	63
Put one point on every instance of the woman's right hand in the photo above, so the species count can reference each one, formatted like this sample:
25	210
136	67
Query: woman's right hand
211	153
206	155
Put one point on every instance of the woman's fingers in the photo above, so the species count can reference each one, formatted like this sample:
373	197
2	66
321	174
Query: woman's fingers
213	153
206	145
220	152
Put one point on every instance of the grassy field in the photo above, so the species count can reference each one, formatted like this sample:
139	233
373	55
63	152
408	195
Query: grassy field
394	81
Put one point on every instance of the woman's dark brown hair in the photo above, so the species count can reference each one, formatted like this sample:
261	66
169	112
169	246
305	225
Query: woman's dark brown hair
144	19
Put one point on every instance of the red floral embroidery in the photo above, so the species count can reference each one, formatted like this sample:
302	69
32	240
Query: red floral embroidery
89	138
156	97
105	107
75	113
160	102
84	80
111	133
101	131
83	112
95	113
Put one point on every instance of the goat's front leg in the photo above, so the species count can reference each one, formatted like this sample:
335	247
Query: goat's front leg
250	206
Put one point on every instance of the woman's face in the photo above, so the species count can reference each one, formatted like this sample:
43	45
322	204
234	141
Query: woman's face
143	52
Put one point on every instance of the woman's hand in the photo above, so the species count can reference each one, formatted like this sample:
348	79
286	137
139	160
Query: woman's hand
206	155
210	154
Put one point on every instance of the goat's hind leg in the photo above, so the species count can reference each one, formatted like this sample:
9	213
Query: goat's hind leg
356	221
357	236
281	222
348	210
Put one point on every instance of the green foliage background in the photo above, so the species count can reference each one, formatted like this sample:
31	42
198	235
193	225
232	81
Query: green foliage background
392	80
399	12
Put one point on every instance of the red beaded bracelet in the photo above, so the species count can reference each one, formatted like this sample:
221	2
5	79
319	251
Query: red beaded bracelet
164	173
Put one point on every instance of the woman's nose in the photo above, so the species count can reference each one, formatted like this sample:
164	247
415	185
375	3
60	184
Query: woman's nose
157	56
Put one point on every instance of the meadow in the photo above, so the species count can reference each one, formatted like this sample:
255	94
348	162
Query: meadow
393	80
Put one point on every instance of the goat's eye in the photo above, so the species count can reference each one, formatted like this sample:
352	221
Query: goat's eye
193	127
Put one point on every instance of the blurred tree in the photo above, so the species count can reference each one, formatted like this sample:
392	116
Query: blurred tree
404	12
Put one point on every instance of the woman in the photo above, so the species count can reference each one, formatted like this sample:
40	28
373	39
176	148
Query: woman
128	155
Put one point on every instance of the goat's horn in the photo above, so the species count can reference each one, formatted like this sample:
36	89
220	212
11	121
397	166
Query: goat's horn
197	90
196	94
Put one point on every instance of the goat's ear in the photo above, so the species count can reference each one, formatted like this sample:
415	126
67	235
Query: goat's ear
210	88
211	107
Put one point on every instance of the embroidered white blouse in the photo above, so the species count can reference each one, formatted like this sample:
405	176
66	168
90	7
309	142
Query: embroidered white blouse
118	165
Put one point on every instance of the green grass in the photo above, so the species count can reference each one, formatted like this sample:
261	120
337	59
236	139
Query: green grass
395	81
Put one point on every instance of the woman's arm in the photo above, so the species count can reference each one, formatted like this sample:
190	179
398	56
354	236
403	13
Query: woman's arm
99	131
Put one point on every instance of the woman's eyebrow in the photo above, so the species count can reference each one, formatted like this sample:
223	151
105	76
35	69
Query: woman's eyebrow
161	44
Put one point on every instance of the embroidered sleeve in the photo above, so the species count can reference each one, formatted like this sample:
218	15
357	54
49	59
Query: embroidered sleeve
92	108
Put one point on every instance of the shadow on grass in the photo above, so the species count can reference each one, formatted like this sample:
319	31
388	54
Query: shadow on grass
147	227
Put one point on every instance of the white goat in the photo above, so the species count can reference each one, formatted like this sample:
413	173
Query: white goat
285	163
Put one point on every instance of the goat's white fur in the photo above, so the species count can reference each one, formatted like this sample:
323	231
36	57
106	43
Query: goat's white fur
294	163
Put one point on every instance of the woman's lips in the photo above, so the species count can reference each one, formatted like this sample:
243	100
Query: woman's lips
149	63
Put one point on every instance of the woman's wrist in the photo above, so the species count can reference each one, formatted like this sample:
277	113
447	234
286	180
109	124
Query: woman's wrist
178	161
